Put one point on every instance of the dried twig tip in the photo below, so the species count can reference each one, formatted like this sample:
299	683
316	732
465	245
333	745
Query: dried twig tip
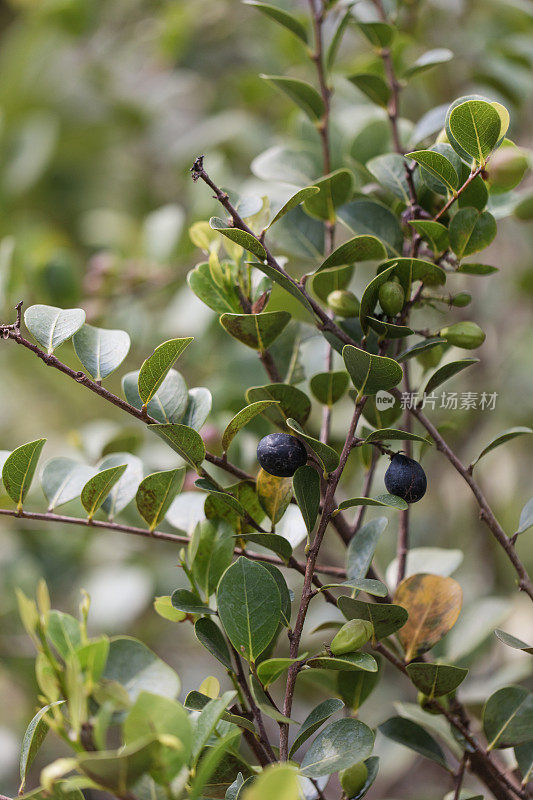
197	168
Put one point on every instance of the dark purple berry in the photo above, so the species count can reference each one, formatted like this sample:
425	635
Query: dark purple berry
281	454
406	479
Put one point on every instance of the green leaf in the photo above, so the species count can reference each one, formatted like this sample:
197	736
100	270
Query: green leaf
161	716
526	518
274	494
325	282
306	483
100	350
242	238
303	94
327	456
295	200
379	34
292	402
415	737
271	541
502	438
51	326
273	668
280	781
428	60
63	479
360	248
391	434
375	588
242	418
231	509
125	488
190	603
249	606
196	701
435	233
436	680
265	705
138	669
446	372
344	663
390	500
477	269
98	487
256	330
355	687
212	638
169	402
340	745
335	190
210	553
385	617
507	717
33	738
420	347
164	608
524	759
387	330
361	549
185	441
329	387
371	374
475	126
19	469
373	86
437	165
471	231
208	720
389	170
156	368
281	16
322	712
368	217
217	298
155	494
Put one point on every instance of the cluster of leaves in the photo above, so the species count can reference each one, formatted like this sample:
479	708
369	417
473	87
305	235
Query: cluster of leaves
409	219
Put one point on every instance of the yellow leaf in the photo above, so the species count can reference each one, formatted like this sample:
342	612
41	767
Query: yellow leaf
433	604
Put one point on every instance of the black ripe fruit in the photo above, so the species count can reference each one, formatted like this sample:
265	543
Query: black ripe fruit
406	478
281	454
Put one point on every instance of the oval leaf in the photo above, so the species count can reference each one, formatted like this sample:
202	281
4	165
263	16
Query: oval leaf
507	717
446	372
436	680
306	483
155	369
476	125
433	604
385	617
51	326
155	494
256	330
19	469
249	606
340	745
360	248
502	438
101	351
371	374
63	479
415	737
301	93
98	487
274	494
168	404
183	440
327	456
241	419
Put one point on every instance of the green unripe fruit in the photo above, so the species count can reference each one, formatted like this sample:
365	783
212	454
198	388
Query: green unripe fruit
464	334
508	166
391	298
353	779
431	358
344	303
353	635
461	300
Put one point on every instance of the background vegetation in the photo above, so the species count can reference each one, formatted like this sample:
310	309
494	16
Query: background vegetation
103	108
